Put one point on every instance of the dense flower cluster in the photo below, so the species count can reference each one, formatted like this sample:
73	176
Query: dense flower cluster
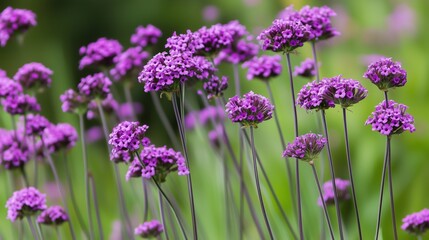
186	43
391	119
73	102
345	92
35	124
34	75
145	36
238	52
285	36
8	87
20	104
305	147
310	97
249	110
99	53
263	67
127	156
15	21
14	149
215	86
25	202
95	86
416	223
149	229
60	136
128	63
386	74
54	215
203	116
342	187
3	73
127	136
109	105
306	69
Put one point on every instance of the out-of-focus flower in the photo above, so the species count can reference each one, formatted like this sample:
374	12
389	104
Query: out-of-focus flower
129	63
263	67
366	60
99	54
34	76
305	147
20	104
95	86
125	110
306	69
73	102
416	223
8	88
109	105
342	187
54	215
145	36
25	202
215	86
345	92
401	22
14	149
94	134
3	73
210	13
149	229
60	136
386	74
203	116
35	124
15	21
216	136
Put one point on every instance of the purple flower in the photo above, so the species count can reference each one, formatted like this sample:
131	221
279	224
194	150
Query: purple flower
386	74
401	22
34	75
215	86
35	124
284	36
158	162
310	97
263	67
149	229
126	136
306	69
145	36
14	149
129	63
20	104
249	110
216	136
187	43
416	223
95	86
391	119
342	187
203	117
125	110
15	21
305	147
99	53
345	92
109	105
54	215
73	102
3	73
94	134
8	87
25	202
238	52
210	13
60	136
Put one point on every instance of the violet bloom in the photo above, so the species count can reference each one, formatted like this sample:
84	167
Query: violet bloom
186	43
285	36
215	86
392	119
210	13
15	21
3	73
109	105
249	110
73	102
8	87
238	52
34	76
25	202
386	74
93	134
127	156
203	116
125	110
99	54
35	124
145	36
127	136
149	229
129	63
328	192
95	86
54	215
345	92
62	136
20	104
306	69
14	149
216	136
416	223
158	163
263	67
310	97
305	147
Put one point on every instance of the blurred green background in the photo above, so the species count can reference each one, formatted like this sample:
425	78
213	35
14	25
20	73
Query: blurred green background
368	27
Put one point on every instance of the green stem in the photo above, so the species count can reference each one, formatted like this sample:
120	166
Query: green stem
33	230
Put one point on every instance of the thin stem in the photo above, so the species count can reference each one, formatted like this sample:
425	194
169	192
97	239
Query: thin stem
316	65
39	231
24	176
331	166
236	79
97	212
380	203
36	164
161	208
173	227
349	165
258	187
33	230
325	209
57	231
129	99
146	200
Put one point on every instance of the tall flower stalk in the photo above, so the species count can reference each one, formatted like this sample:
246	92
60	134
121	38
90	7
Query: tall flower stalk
97	209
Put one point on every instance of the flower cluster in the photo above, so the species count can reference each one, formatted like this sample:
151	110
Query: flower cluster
203	116
109	105
14	150
127	136
25	202
35	124
215	86
345	92
391	118
238	52
15	21
263	67
8	87
306	69
20	104
416	223
217	136
73	102
54	215
145	36
186	43
285	36
305	147
149	229
3	73
95	86
249	110
99	53
60	136
34	75
386	74
310	97
128	63
342	187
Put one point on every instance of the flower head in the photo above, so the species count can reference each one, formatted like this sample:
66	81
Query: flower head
109	105
145	36
95	86
73	102
216	136
35	124
184	44
15	21
310	97
3	73
60	136
149	229
54	215
99	53
342	187
34	75
129	63
8	87
238	52
20	104
306	69
386	74
25	202
345	92
215	86
263	67
305	147
416	223
249	110
14	149
125	110
203	116
127	136
391	119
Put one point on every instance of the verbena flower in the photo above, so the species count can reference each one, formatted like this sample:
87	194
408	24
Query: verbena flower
238	52
203	116
8	87
93	134
109	105
310	97
99	54
392	119
158	162
345	92
284	36
215	86
249	110
416	223
149	229
25	202
306	69
127	136
186	43
35	124
216	136
263	67
3	73
54	215
15	21
95	86
305	147
210	13
145	36
20	104
34	76
342	187
127	156
129	63
14	149
73	102
386	74
125	110
61	136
